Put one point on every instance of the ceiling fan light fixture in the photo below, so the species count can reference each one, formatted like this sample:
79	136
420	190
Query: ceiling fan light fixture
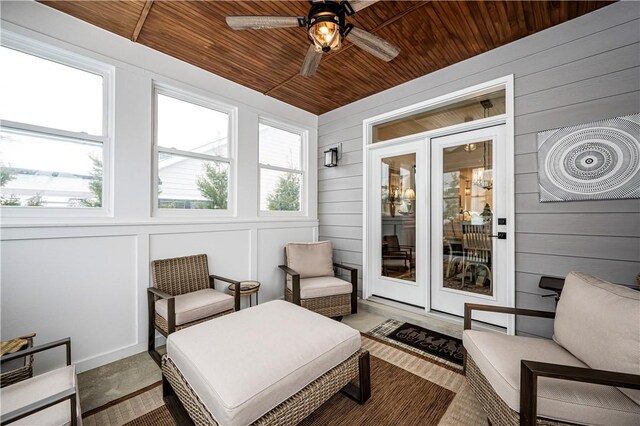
325	31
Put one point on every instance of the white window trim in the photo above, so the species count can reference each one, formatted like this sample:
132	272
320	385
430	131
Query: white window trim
196	97
304	186
52	53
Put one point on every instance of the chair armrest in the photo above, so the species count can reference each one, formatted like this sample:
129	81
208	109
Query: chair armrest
345	267
288	270
295	283
42	404
354	285
159	293
468	307
531	370
39	348
236	292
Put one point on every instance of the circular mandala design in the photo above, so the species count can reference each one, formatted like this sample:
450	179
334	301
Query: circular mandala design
601	159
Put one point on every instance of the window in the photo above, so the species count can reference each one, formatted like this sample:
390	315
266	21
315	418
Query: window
53	133
194	162
281	170
475	108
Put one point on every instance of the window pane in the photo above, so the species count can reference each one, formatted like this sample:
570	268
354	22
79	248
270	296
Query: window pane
191	183
41	171
477	108
45	93
280	148
190	127
279	191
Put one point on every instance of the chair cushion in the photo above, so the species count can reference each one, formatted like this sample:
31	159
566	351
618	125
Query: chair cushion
311	259
37	388
197	305
599	323
321	287
499	355
244	364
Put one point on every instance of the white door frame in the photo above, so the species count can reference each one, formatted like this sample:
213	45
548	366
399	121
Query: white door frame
508	119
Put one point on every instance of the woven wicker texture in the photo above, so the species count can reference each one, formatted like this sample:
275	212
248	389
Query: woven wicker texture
181	275
21	373
289	412
329	306
499	413
163	325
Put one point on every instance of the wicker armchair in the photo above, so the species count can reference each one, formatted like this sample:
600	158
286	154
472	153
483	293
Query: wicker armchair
310	280
183	294
527	381
20	368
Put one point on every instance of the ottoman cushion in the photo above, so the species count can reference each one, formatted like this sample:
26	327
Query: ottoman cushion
244	364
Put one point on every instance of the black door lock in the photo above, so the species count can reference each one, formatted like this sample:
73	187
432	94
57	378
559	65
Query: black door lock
501	236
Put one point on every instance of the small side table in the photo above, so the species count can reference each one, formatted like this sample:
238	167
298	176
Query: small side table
247	288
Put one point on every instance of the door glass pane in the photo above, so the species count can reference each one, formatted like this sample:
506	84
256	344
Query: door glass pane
399	217
467	217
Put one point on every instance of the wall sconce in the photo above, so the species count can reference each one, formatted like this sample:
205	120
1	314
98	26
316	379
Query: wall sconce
331	157
470	147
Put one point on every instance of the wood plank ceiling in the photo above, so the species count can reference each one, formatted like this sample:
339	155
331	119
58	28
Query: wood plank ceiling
431	35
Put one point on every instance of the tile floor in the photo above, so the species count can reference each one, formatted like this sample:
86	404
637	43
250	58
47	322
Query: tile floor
112	381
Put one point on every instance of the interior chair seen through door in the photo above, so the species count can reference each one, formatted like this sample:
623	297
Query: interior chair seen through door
184	294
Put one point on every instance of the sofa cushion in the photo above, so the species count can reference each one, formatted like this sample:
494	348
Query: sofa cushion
311	259
599	323
499	355
37	388
197	305
244	364
322	287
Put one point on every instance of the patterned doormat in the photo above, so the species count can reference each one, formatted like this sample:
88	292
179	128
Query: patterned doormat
435	346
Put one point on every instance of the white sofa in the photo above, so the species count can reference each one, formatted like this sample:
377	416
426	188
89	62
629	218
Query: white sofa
588	374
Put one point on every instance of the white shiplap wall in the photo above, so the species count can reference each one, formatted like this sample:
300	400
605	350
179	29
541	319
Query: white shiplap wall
583	70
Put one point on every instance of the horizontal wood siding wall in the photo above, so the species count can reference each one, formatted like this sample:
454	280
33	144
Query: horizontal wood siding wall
583	70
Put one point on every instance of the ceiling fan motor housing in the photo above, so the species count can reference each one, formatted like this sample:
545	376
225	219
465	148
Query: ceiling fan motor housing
326	26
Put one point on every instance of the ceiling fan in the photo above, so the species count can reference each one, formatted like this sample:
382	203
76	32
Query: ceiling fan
326	28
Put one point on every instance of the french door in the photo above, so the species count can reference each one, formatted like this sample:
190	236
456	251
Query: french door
397	218
469	262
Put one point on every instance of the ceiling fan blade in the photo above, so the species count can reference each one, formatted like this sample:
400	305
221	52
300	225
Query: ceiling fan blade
264	22
311	62
373	44
357	5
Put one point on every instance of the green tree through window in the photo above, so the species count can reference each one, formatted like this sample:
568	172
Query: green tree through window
286	195
95	186
214	185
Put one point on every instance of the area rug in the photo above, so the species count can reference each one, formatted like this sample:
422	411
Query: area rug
444	350
407	389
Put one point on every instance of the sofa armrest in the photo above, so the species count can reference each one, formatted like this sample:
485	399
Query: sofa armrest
531	370
159	293
171	308
236	292
33	350
469	307
42	404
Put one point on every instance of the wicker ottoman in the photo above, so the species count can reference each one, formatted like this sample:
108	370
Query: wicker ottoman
272	364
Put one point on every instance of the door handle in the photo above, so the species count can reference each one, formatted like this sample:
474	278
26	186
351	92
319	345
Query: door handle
500	236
